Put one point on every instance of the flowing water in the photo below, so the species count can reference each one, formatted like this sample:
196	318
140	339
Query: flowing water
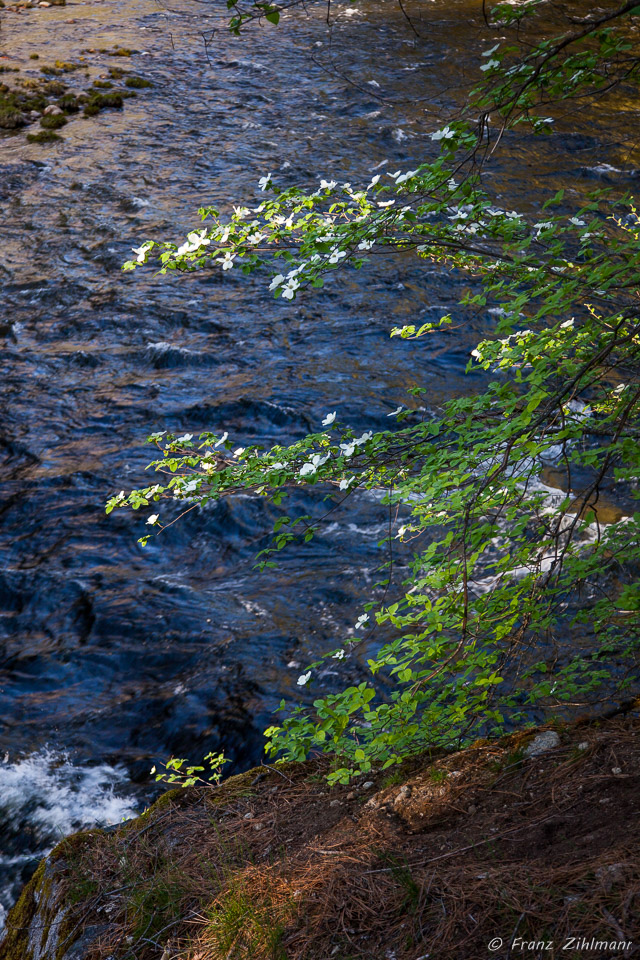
113	656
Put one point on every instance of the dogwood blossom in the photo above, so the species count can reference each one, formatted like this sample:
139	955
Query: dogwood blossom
153	518
222	439
362	619
348	448
365	244
445	134
142	251
227	260
328	184
336	256
289	288
304	679
307	470
405	176
345	484
193	242
339	655
328	420
277	280
394	413
264	182
184	438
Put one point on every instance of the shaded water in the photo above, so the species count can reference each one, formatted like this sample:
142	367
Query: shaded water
112	656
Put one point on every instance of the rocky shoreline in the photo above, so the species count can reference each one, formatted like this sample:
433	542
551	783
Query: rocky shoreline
529	838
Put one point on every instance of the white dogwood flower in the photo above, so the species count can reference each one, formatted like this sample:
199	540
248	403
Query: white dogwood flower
304	678
153	518
289	288
405	176
264	182
142	251
348	449
222	439
227	260
445	134
328	420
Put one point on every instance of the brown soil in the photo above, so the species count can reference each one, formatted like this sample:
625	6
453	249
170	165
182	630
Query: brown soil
435	860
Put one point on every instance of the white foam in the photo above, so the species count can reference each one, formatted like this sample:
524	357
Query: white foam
49	797
58	797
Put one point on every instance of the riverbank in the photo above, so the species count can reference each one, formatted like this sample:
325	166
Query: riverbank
531	838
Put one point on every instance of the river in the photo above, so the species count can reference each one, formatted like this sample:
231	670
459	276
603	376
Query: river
113	656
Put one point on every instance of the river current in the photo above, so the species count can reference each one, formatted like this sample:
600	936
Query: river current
113	656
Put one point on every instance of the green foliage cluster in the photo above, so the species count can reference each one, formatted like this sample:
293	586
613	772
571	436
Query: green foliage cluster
475	638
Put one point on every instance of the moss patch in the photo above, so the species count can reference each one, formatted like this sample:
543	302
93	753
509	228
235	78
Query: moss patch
53	121
44	136
137	82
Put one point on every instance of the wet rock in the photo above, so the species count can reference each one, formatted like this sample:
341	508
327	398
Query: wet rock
52	111
542	743
367	785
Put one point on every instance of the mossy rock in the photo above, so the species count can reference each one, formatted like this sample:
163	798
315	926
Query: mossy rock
53	121
103	84
44	136
54	88
106	101
120	52
137	82
69	103
60	67
10	117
